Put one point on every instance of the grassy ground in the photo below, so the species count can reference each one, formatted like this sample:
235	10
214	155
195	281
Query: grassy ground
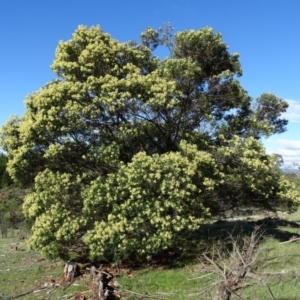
22	270
278	266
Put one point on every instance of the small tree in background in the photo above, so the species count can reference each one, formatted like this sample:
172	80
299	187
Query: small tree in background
5	179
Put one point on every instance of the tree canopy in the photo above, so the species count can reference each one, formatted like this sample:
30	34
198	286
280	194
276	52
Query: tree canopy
128	152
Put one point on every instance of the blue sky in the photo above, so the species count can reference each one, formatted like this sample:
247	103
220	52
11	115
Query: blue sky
264	32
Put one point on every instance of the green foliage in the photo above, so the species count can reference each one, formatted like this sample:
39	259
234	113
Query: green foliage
5	179
152	202
55	206
128	154
151	38
293	178
11	215
251	178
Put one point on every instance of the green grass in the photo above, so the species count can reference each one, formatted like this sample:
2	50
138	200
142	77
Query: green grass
295	217
187	282
167	284
275	257
22	270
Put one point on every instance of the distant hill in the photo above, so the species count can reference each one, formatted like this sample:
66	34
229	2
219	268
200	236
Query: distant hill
289	170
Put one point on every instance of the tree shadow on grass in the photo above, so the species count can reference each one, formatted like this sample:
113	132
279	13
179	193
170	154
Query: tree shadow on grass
217	234
271	227
214	235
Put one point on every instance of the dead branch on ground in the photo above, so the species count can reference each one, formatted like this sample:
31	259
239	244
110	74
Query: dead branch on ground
238	268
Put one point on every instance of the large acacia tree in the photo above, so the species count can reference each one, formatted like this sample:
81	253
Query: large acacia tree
127	153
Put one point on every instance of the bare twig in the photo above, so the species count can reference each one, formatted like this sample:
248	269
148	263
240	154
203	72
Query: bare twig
239	297
269	290
217	267
239	264
156	295
97	271
290	241
36	289
200	276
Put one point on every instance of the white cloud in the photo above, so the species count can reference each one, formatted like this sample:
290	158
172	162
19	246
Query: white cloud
293	112
289	153
289	149
289	144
